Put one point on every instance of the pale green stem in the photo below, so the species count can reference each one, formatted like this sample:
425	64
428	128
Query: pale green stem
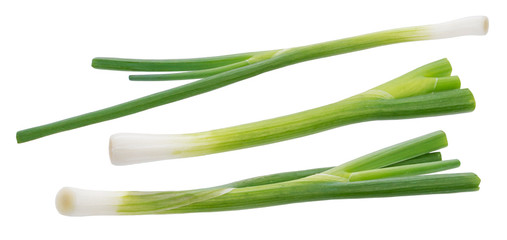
407	96
291	187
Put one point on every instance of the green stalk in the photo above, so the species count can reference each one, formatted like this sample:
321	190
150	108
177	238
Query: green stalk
125	64
466	26
426	91
188	75
426	158
258	62
393	154
402	171
349	180
289	176
268	195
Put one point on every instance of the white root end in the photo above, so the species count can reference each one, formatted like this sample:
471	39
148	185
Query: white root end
132	148
79	202
477	25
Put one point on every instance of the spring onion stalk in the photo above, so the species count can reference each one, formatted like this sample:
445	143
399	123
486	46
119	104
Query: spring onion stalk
393	171
204	67
425	91
224	70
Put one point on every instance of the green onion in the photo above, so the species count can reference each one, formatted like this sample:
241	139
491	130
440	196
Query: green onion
385	173
224	70
425	91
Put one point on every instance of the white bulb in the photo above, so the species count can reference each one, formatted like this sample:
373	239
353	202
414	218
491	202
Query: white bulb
477	25
79	202
132	148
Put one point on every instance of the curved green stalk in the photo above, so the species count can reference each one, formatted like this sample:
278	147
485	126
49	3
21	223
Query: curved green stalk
259	62
426	91
372	175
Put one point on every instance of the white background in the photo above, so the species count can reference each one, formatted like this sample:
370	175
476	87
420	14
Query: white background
46	51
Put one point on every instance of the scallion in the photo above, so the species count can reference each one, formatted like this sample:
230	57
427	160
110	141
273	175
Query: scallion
224	70
372	175
425	91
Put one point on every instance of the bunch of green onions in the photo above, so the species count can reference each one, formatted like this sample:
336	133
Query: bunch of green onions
392	171
217	72
426	91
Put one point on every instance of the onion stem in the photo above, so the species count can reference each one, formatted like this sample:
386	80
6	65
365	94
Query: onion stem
257	63
425	91
372	175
